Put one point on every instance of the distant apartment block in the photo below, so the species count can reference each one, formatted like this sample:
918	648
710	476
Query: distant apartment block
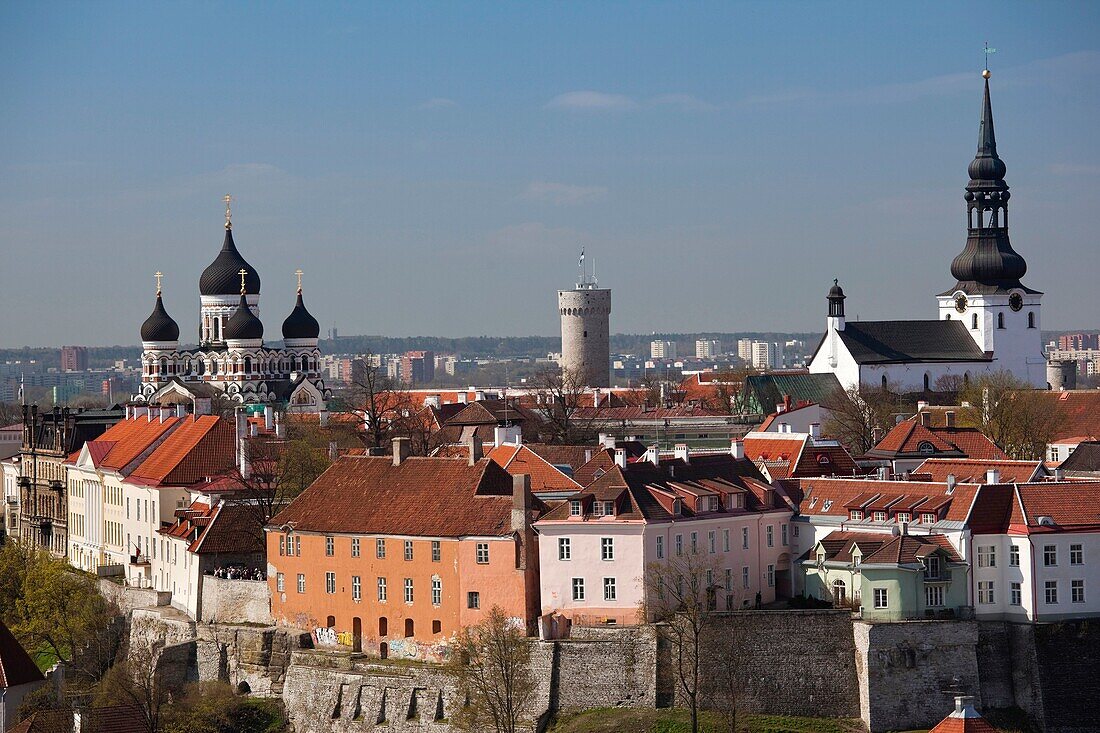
417	367
744	349
74	358
1079	341
767	355
662	350
707	348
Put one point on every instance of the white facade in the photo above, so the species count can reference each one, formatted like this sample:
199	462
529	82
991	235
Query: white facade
662	349
1013	336
707	348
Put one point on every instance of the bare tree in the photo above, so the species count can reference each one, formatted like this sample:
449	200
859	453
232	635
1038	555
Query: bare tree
380	401
1020	420
560	402
682	592
859	416
137	680
492	668
727	391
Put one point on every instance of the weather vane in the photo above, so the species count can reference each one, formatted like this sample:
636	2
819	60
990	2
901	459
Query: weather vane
242	272
158	275
988	50
228	213
298	272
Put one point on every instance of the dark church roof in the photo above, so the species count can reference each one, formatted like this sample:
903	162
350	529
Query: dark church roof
300	324
222	276
243	324
894	342
159	326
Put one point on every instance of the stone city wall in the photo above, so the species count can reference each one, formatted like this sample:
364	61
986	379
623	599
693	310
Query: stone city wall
235	601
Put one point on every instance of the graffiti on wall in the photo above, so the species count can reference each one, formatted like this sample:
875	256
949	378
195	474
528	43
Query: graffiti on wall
327	636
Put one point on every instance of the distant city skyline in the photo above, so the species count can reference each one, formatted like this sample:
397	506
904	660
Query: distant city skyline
436	169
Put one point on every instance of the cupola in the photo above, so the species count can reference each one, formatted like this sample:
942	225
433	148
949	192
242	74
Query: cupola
159	326
243	325
221	276
300	324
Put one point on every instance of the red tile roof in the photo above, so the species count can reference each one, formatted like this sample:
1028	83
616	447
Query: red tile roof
1071	506
518	460
841	493
906	438
879	547
16	666
130	439
202	446
232	528
974	471
964	719
1080	410
440	497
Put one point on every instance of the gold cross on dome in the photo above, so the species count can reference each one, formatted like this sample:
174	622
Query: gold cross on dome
242	272
299	274
228	213
158	275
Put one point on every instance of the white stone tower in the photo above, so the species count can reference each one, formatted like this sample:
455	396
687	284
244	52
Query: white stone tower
586	330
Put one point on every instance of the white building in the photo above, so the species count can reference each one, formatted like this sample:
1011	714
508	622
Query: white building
988	321
744	349
707	348
767	355
662	349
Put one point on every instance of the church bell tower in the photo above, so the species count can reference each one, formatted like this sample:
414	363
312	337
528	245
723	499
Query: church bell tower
998	310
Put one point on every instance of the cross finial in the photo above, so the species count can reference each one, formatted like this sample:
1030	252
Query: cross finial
298	272
242	272
987	51
228	213
158	275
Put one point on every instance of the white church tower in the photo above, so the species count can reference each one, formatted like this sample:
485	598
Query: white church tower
1000	312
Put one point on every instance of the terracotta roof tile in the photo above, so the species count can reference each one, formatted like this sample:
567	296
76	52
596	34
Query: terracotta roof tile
518	460
202	446
131	438
832	496
974	471
441	497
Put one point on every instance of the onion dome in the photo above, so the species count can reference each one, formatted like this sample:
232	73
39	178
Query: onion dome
159	326
222	276
300	324
836	291
243	325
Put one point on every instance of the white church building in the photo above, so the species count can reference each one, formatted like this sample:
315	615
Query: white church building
987	322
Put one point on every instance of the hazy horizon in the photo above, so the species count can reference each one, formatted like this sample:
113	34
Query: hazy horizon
437	168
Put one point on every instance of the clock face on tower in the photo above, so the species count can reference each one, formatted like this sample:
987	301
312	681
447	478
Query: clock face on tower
960	303
1015	301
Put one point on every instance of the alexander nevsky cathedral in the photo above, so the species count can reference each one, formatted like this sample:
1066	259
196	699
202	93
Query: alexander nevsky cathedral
231	359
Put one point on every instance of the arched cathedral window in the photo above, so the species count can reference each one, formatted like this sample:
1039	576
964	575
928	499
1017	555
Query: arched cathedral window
1031	319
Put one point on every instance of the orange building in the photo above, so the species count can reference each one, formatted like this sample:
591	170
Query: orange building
394	555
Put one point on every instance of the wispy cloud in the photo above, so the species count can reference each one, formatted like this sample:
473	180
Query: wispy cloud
1074	169
589	100
683	101
562	194
1075	64
437	103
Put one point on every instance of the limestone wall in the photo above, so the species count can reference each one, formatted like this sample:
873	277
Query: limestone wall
128	598
911	670
602	668
1067	656
235	601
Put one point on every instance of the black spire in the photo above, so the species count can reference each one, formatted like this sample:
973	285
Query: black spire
243	324
836	300
159	326
987	264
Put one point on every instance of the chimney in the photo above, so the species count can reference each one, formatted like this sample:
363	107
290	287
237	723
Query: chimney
596	397
949	417
737	449
680	451
993	476
244	464
280	427
784	427
951	481
181	409
333	451
904	528
463	398
431	400
815	430
474	446
521	501
587	455
253	431
127	408
479	395
607	440
1059	474
164	412
620	457
925	418
654	454
149	413
400	450
269	417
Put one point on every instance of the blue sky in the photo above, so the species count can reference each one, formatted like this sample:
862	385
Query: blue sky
435	168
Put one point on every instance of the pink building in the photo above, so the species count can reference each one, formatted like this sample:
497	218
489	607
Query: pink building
596	548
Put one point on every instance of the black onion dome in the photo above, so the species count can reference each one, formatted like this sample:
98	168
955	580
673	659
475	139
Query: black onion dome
836	291
988	258
243	325
222	276
300	324
159	326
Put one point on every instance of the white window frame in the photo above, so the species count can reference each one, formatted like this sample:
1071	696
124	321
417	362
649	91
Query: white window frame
565	549
880	598
383	591
1050	556
330	583
1050	592
437	590
1075	585
356	588
660	547
1076	554
481	553
578	590
607	549
986	595
610	593
410	595
1015	593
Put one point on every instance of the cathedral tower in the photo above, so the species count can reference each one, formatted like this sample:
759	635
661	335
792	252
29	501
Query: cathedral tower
1000	313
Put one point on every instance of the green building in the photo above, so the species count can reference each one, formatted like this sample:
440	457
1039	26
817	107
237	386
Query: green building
890	577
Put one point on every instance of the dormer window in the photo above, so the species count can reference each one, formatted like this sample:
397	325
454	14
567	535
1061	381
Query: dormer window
826	506
904	517
676	507
608	508
736	501
711	503
927	518
925	448
813	502
879	516
855	515
575	508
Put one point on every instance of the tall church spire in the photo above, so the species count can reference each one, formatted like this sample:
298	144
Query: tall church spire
987	264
